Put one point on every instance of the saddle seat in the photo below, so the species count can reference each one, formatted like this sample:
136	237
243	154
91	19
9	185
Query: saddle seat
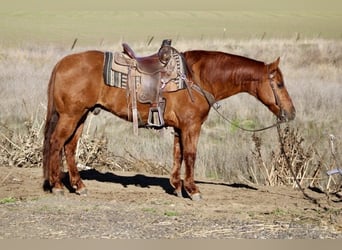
149	64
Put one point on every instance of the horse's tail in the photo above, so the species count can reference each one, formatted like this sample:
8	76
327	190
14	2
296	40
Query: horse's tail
50	125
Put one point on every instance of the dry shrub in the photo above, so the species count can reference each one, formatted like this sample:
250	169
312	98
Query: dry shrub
304	161
21	149
94	152
24	149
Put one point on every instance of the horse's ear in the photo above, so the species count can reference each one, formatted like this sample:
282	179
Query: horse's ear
274	65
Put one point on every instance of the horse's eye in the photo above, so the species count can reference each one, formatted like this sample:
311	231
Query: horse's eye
280	84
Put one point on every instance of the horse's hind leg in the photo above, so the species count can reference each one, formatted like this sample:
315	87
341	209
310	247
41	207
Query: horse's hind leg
65	127
70	152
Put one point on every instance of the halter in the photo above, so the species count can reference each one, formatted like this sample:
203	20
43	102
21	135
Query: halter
212	102
276	97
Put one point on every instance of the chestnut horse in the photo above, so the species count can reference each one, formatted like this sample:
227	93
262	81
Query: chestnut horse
77	87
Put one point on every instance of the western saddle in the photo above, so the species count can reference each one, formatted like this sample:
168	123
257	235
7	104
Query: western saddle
152	63
145	78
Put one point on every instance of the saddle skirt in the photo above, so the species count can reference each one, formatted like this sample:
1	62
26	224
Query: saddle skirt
151	77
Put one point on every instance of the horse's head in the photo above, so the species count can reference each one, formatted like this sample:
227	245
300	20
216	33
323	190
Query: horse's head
273	93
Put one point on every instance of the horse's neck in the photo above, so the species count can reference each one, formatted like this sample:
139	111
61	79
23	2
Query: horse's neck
223	74
231	85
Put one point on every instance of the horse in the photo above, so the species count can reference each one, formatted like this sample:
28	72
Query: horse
77	87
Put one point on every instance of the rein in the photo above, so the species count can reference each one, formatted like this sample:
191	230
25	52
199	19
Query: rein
212	102
246	129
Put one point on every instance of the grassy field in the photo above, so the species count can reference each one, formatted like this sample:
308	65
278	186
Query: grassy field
311	68
95	23
308	40
254	5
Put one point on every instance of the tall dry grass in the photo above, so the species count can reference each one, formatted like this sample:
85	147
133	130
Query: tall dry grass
312	72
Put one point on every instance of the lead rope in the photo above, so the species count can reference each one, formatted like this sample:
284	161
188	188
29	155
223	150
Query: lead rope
211	100
242	128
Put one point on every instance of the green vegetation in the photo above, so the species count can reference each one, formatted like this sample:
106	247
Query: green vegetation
93	27
171	213
150	210
7	200
279	212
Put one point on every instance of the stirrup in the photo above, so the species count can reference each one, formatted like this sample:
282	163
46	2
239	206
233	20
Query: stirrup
155	118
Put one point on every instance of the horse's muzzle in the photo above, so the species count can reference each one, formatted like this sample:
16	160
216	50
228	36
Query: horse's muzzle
286	116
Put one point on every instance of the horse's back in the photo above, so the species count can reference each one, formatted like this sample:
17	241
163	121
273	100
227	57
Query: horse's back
81	62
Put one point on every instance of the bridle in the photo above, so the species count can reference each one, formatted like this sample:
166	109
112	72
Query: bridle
276	97
213	103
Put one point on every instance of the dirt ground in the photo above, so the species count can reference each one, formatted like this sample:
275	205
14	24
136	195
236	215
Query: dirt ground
126	205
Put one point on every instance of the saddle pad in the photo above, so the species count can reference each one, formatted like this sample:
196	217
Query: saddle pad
117	77
107	68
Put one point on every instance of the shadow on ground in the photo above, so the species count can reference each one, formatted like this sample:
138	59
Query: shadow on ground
144	181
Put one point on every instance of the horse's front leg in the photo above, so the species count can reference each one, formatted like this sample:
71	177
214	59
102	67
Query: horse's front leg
189	179
175	179
189	140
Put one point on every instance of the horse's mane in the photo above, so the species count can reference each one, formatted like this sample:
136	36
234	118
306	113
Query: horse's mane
218	66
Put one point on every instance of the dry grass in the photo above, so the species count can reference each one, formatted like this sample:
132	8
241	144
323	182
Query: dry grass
21	150
276	171
311	68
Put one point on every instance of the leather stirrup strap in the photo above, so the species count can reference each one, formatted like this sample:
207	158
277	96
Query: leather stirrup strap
133	93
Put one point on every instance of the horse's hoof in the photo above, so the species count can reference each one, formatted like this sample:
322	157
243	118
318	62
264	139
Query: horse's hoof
196	197
58	191
82	192
178	193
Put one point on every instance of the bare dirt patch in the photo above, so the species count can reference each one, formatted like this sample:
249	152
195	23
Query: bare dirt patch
141	206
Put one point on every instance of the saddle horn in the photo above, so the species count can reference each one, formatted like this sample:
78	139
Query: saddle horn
165	50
